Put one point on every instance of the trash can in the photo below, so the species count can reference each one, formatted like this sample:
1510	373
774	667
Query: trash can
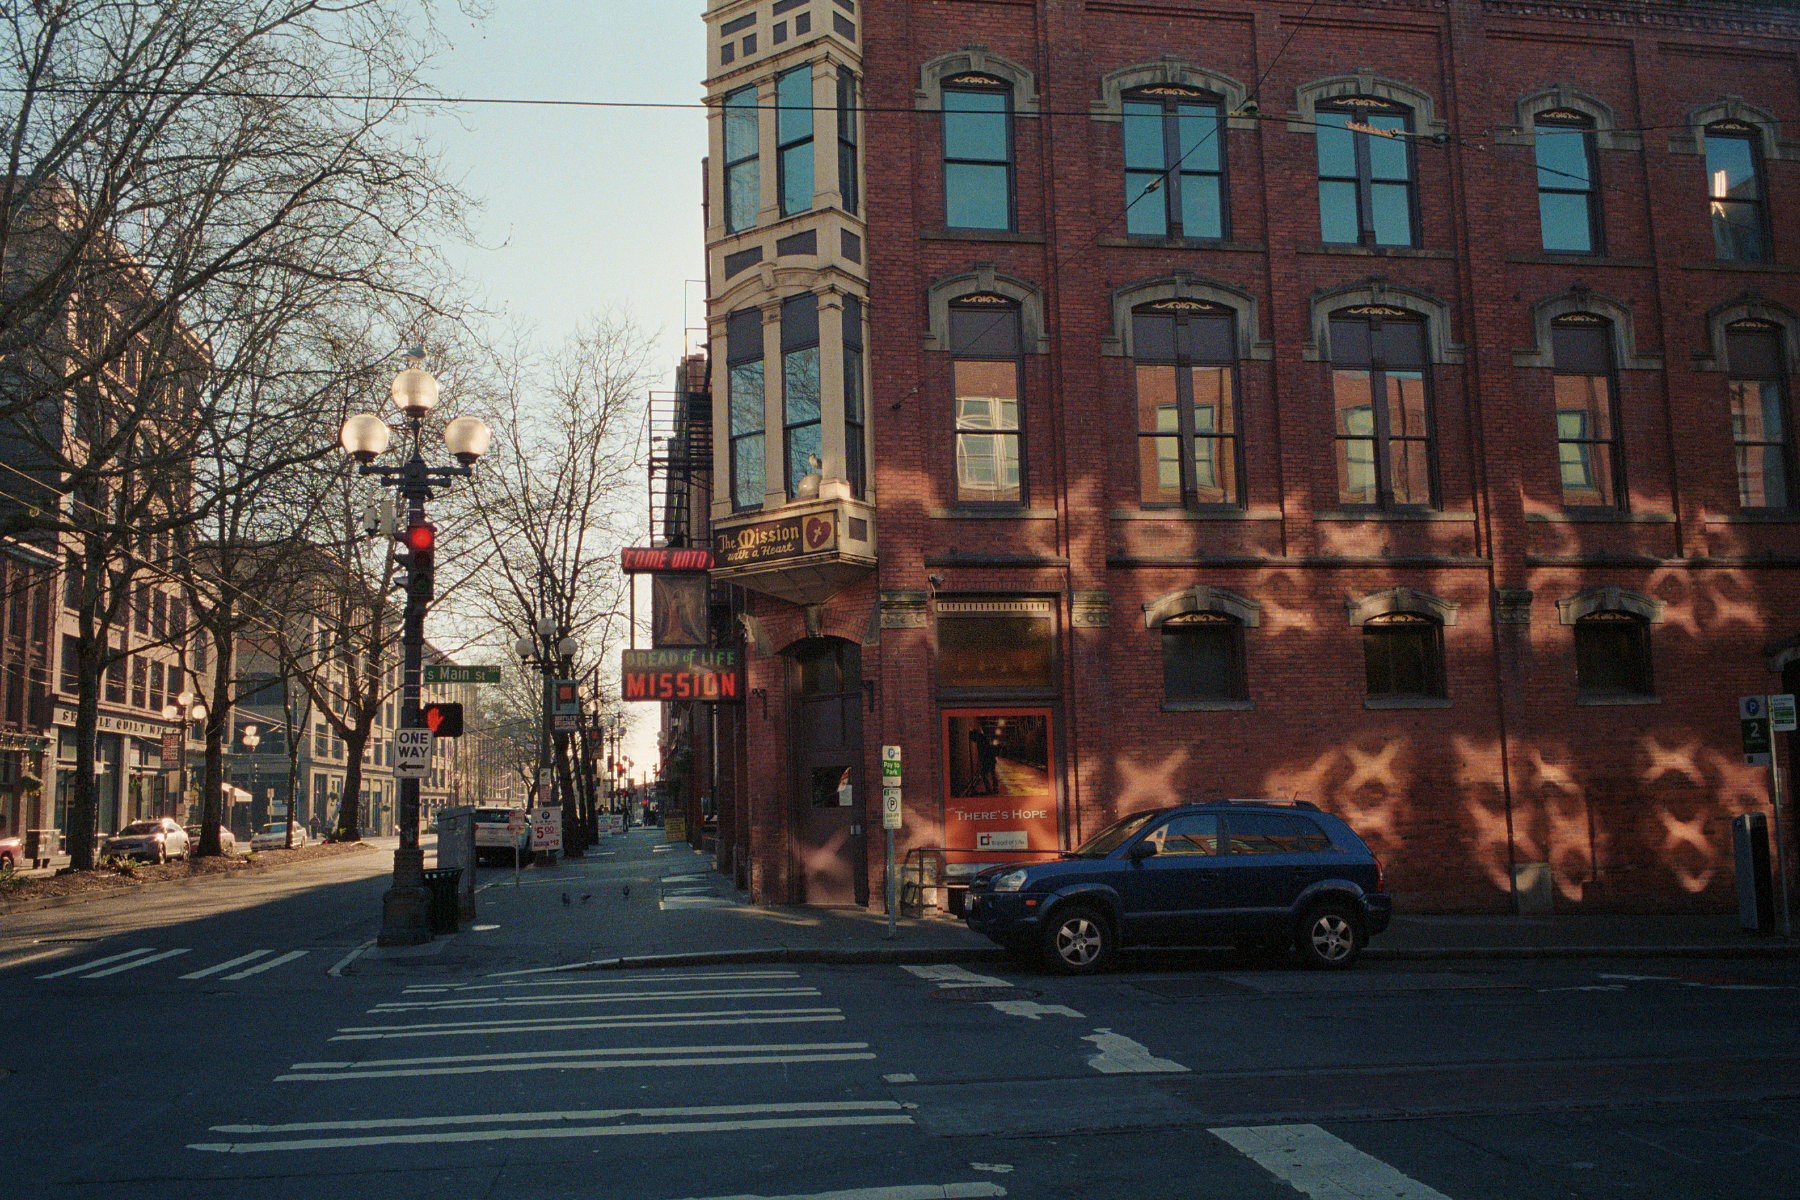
1755	888
442	885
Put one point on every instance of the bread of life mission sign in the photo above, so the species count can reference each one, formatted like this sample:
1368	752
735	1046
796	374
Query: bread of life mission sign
681	673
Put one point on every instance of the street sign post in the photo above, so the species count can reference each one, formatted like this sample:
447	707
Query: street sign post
1758	720
890	821
412	752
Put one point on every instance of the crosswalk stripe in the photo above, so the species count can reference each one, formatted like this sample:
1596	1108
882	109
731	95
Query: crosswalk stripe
289	957
226	966
95	962
596	998
134	964
817	1016
514	1135
1319	1164
766	1056
786	1107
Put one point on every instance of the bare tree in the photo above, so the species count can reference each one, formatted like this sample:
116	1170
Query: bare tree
555	503
188	185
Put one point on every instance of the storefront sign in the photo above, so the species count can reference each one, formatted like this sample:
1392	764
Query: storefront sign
999	787
664	559
774	541
679	674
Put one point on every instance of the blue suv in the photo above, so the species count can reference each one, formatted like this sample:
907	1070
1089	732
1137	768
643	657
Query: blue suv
1251	873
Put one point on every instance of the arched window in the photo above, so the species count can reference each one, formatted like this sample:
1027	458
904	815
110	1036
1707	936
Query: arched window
1203	658
1174	163
1761	422
978	152
1365	172
1189	448
1612	654
1587	418
1383	420
986	349
1403	656
1736	190
1568	190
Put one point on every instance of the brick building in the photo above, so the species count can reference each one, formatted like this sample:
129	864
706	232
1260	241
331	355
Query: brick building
1383	404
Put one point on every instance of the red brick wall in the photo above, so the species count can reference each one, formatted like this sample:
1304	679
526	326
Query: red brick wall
1630	804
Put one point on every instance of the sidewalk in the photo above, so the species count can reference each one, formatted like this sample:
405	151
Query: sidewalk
635	901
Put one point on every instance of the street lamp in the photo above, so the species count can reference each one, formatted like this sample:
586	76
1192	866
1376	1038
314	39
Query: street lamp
405	909
185	707
553	658
252	739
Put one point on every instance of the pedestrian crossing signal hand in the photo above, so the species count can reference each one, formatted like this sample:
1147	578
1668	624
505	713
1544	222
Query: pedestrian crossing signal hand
444	720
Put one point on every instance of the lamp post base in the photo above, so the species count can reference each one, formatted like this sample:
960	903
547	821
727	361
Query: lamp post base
405	917
406	907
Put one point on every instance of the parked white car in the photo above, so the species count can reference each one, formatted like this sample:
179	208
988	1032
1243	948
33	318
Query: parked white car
157	839
275	837
495	838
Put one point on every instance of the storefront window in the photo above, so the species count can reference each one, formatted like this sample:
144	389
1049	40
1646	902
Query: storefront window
997	645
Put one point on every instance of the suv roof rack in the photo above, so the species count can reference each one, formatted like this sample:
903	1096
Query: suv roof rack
1306	804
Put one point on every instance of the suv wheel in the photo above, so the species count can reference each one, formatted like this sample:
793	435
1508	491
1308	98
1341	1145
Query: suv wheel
1327	937
1077	940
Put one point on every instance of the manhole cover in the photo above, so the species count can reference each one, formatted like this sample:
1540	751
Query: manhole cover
983	991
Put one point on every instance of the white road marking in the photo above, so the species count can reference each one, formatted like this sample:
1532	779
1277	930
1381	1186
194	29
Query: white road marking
809	1121
134	964
595	998
954	976
580	1114
1119	1055
578	1060
1320	1165
337	969
226	966
605	980
900	1077
290	956
1032	1010
96	962
917	1191
778	1016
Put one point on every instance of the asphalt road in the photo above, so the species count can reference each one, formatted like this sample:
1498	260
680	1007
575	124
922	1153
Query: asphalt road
225	1042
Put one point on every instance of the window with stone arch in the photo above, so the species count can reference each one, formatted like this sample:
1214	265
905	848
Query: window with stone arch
1403	646
1174	154
1589	461
1736	191
1366	183
1202	630
1567	182
1761	413
1610	630
978	152
1382	414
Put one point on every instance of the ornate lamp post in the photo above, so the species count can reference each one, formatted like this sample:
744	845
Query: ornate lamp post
405	908
187	706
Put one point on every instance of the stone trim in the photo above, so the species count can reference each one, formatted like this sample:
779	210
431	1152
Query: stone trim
1750	307
1184	286
974	60
1610	599
1379	291
1583	299
1529	107
1171	69
1364	82
1401	599
1512	606
1692	140
1202	598
985	280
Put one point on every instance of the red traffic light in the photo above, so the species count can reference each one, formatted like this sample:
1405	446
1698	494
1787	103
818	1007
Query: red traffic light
420	537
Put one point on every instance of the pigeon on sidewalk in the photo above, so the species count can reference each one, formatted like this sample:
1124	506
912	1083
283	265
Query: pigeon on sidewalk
565	897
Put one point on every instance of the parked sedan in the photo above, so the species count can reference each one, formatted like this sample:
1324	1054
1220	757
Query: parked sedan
227	839
1256	874
275	837
157	839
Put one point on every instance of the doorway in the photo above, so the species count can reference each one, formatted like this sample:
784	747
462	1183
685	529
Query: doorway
825	717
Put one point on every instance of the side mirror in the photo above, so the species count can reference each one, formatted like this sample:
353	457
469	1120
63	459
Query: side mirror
1141	850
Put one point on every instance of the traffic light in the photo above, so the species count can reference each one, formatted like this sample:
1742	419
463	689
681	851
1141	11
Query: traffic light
444	720
421	543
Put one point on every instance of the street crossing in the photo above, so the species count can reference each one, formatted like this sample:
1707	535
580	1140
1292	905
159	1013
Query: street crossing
239	967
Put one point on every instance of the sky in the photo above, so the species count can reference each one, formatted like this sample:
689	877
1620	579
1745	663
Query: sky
586	209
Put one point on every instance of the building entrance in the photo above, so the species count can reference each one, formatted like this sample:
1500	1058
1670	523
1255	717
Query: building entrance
825	717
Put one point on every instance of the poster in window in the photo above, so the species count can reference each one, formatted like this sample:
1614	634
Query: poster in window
999	787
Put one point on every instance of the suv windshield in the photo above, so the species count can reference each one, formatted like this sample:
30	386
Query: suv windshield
1110	838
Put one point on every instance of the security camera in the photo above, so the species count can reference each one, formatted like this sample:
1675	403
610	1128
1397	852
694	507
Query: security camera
936	581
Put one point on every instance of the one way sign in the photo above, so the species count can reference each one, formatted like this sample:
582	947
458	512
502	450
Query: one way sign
412	752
